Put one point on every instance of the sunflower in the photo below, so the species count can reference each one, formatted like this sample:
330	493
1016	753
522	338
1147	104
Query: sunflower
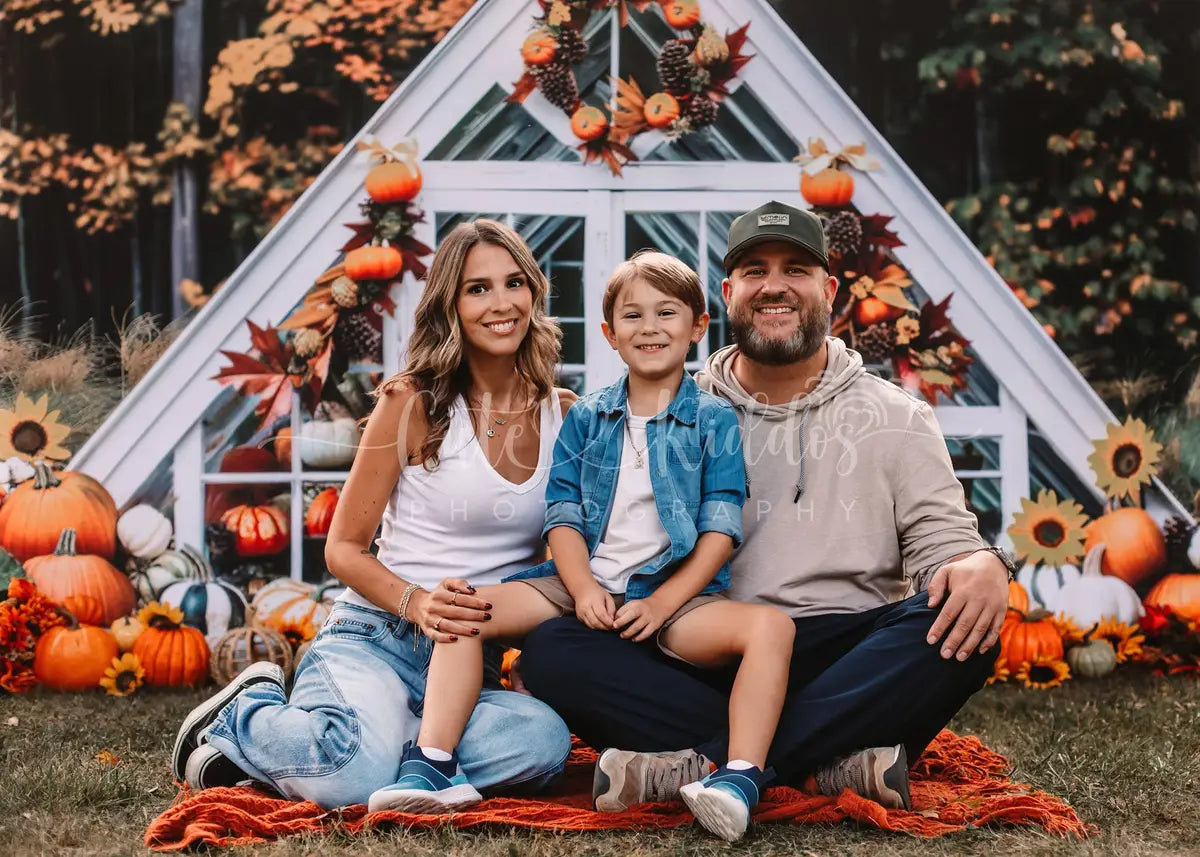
1048	531
1125	639
297	631
1043	673
1126	459
1071	633
165	614
1000	671
124	676
31	430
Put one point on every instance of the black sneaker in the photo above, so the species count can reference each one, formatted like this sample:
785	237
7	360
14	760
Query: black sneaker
208	768
188	738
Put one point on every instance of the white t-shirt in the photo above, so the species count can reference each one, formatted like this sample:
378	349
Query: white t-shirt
634	534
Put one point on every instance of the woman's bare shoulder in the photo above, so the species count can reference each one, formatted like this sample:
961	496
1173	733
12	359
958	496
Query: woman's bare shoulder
566	398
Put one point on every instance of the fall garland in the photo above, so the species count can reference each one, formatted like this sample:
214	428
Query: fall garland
694	72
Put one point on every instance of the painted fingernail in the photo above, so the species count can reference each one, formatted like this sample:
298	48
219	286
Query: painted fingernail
487	606
470	587
487	615
474	632
453	639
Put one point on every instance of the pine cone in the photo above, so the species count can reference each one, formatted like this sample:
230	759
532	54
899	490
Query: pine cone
222	548
845	233
1179	535
357	338
557	84
308	342
675	66
876	343
571	46
702	111
345	292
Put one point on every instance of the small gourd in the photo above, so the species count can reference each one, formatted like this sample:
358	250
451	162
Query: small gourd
1093	659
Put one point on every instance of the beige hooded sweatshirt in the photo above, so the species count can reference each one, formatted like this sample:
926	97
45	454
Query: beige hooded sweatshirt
853	502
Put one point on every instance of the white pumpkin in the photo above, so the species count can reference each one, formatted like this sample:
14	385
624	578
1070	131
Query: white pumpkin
1193	553
15	471
286	600
329	444
1094	596
1043	582
144	531
210	606
170	566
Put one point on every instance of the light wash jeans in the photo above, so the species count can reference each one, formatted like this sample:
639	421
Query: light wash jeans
357	700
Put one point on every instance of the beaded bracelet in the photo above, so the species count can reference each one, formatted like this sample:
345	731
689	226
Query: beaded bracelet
404	599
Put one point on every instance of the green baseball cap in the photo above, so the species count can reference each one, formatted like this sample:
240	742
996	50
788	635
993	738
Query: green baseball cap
777	221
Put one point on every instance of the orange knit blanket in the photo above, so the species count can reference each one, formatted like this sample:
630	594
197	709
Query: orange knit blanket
957	783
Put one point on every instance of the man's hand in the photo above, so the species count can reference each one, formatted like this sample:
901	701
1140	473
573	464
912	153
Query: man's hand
596	609
514	677
640	618
975	591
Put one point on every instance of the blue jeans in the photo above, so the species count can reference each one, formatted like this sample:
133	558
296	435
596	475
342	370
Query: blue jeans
357	700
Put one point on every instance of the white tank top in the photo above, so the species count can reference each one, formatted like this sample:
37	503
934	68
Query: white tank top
463	519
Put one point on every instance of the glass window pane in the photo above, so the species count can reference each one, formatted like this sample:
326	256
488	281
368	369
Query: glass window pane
566	289
718	242
677	234
496	130
573	350
233	440
445	221
974	453
238	563
1048	472
572	379
983	500
316	526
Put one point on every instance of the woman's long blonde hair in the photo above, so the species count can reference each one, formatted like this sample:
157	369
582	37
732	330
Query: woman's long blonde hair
436	366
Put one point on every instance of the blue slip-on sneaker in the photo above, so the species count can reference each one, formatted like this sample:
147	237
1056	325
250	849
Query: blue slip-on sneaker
426	787
722	801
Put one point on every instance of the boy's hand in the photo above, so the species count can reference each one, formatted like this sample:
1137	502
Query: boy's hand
641	619
596	609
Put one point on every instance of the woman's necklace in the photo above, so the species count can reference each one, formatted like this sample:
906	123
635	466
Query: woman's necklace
491	432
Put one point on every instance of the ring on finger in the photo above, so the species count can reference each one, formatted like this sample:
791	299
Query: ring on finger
453	599
437	626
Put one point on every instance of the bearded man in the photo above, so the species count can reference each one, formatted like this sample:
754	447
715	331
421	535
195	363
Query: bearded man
855	525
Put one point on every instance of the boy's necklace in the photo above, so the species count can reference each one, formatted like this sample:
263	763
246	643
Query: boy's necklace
638	461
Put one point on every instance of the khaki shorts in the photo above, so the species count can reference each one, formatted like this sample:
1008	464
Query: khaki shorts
555	591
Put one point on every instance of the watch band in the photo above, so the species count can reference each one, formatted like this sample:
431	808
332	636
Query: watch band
1010	564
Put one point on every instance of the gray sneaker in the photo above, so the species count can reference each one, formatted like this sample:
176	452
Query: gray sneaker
878	773
624	778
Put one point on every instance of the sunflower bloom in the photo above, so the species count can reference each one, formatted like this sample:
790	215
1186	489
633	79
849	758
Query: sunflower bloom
31	431
1000	672
124	676
1048	531
1125	639
1126	459
169	612
1043	673
297	631
1071	633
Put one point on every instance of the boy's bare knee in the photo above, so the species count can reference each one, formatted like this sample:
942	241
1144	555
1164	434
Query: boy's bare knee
772	627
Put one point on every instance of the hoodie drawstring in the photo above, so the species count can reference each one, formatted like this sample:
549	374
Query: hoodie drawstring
800	478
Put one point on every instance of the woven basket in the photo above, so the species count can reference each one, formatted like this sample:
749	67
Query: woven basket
241	647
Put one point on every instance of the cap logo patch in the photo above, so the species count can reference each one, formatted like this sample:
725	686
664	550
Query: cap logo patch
774	219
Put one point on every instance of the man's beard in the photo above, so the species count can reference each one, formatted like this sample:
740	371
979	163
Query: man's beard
772	351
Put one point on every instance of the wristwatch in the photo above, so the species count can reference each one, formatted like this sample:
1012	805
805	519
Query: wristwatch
1005	557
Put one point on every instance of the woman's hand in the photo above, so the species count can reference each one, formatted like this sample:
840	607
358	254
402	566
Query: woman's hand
443	614
596	609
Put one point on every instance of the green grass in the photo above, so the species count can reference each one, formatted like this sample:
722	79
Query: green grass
1125	752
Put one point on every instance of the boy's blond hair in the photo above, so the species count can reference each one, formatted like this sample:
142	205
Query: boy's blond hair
662	271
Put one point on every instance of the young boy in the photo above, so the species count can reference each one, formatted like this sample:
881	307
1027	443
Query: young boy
644	507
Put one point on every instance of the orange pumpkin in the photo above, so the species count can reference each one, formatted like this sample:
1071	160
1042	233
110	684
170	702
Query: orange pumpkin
258	530
589	123
829	188
1025	636
1135	547
73	656
320	511
395	181
682	14
38	510
66	574
1179	592
1018	598
172	654
871	310
373	263
660	110
539	48
287	603
85	608
283	447
241	459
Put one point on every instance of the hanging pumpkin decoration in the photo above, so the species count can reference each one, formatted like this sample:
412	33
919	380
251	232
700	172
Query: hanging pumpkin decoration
871	310
241	647
286	602
1048	534
36	512
1178	592
373	263
539	48
282	445
320	511
171	653
1093	659
1026	636
829	188
1125	459
66	573
589	123
394	181
125	631
1018	598
73	656
660	110
330	439
259	530
144	531
1094	596
210	606
1134	546
682	14
170	566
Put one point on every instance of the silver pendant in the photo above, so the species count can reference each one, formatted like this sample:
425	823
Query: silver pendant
491	432
637	460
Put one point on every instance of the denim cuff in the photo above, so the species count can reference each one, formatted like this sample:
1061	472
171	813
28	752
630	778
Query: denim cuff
564	514
721	516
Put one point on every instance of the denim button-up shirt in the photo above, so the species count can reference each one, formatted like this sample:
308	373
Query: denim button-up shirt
694	453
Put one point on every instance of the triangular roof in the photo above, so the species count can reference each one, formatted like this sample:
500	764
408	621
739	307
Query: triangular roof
481	51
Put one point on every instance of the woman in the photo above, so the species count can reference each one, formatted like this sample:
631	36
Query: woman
454	461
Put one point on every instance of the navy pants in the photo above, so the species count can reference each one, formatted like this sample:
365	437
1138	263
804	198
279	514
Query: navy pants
858	680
